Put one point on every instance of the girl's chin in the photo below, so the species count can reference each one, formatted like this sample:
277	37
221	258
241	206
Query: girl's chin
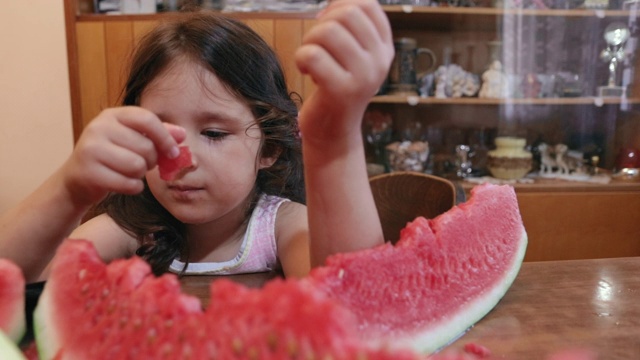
191	220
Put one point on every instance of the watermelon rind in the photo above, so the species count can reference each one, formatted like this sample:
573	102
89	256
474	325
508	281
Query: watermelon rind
8	349
12	300
43	328
457	325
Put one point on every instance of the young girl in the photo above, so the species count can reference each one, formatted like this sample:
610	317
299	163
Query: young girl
212	84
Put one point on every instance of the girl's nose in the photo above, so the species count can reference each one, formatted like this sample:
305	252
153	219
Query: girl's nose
192	150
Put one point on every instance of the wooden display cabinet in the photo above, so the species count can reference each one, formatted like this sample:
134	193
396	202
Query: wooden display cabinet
564	220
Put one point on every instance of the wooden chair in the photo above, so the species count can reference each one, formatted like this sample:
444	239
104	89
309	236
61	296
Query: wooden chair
402	196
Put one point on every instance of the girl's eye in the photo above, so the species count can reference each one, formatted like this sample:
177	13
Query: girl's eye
214	135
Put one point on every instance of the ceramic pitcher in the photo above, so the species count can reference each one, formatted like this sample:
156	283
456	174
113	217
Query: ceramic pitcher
404	75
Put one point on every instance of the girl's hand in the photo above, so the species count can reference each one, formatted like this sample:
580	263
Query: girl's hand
115	151
348	55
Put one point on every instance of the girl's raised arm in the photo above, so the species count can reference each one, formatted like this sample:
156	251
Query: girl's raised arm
347	54
113	154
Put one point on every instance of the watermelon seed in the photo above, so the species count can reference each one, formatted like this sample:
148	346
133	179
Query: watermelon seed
253	354
151	335
341	274
272	342
236	344
187	352
88	305
166	349
82	273
168	323
292	348
84	289
105	292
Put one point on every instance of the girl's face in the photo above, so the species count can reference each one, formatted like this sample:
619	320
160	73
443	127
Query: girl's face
224	140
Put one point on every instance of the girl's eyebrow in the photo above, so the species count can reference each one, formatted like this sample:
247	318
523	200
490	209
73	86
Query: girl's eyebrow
202	117
221	118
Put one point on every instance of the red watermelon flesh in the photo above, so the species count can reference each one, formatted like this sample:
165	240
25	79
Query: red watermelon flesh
441	277
12	300
89	310
169	168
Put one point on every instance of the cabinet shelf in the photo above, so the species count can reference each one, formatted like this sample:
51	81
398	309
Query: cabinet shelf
441	11
478	18
565	186
415	100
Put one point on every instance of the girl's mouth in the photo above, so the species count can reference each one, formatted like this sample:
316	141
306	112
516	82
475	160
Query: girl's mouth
184	191
182	188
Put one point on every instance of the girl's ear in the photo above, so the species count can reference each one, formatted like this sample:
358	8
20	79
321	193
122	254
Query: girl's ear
267	161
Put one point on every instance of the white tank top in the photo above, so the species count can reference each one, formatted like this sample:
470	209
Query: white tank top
258	252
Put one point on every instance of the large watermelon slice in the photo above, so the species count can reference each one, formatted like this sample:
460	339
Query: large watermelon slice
12	300
89	310
441	277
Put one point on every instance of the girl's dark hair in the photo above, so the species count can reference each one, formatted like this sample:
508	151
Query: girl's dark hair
250	70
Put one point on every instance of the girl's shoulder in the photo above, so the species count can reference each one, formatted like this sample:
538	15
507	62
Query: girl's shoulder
291	209
291	218
110	240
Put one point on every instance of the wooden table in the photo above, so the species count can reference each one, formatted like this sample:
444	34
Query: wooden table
554	305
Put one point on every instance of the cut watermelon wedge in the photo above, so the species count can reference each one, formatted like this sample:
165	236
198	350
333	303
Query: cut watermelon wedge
89	310
441	277
12	300
383	303
170	168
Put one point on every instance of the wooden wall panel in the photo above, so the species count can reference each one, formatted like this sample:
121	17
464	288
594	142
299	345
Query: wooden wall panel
92	69
264	28
581	225
141	28
119	45
288	38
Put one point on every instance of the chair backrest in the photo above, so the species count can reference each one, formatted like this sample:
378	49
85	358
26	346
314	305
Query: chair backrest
402	196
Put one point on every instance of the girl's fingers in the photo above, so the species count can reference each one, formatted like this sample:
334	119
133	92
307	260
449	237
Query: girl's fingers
123	161
315	61
148	124
339	43
112	181
178	132
371	8
359	25
356	35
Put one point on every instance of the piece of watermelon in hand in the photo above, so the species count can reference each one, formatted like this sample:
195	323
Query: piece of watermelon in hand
169	168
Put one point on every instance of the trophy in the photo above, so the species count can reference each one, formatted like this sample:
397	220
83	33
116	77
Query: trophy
615	35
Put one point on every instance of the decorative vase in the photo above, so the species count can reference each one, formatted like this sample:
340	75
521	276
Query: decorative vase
510	160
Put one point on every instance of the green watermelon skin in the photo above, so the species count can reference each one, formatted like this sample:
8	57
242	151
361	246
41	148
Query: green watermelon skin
441	277
8	349
89	310
12	300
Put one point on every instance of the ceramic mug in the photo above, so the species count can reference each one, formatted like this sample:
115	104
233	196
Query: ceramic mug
403	75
